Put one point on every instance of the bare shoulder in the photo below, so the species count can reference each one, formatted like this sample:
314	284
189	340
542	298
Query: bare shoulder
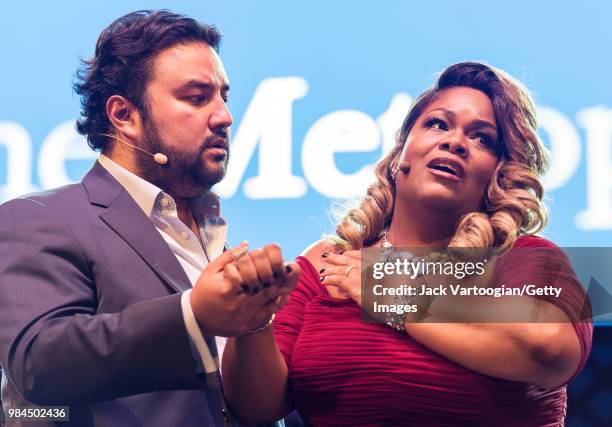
313	252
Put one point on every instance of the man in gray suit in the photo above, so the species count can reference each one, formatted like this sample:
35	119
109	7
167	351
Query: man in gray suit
114	289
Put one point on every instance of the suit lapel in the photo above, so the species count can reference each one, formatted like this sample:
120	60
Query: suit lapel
125	217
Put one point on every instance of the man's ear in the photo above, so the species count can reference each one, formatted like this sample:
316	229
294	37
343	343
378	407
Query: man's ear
124	117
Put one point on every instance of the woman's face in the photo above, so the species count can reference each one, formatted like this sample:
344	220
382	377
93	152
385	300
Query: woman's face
450	153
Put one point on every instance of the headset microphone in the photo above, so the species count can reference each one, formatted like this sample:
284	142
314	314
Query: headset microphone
159	158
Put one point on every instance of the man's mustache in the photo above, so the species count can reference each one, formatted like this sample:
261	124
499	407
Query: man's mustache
220	139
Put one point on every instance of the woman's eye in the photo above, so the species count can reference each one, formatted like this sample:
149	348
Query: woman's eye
484	139
434	123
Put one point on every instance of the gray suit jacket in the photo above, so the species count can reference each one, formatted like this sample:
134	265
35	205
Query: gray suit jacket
90	311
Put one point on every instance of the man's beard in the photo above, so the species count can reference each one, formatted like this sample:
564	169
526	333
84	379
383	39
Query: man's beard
185	175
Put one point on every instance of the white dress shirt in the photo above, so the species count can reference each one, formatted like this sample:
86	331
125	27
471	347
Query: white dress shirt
193	256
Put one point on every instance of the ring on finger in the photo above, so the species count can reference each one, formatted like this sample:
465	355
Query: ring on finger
242	251
348	270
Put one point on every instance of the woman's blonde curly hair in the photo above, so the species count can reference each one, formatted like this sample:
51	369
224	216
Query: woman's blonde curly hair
512	203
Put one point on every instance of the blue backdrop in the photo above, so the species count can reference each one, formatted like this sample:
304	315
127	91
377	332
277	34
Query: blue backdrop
318	89
317	92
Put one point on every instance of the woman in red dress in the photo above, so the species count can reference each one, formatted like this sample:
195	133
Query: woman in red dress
464	173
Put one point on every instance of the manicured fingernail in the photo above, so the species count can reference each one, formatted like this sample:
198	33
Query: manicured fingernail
322	278
324	254
321	271
341	251
288	269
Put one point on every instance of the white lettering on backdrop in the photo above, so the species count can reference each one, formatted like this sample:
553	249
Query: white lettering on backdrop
598	124
267	126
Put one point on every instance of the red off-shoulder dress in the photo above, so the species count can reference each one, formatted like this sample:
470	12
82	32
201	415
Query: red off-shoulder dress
344	371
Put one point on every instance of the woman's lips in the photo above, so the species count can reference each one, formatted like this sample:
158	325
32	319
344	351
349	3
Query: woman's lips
443	174
447	165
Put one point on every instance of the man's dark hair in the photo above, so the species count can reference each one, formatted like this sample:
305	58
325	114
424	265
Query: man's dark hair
123	60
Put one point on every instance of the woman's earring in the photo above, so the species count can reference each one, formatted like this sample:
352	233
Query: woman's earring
393	173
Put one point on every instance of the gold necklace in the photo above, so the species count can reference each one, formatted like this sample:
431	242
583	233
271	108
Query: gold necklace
388	249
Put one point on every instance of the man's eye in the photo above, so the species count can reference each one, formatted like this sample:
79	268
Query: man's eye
435	123
196	99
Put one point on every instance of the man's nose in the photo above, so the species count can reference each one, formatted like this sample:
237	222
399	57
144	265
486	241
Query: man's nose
221	116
